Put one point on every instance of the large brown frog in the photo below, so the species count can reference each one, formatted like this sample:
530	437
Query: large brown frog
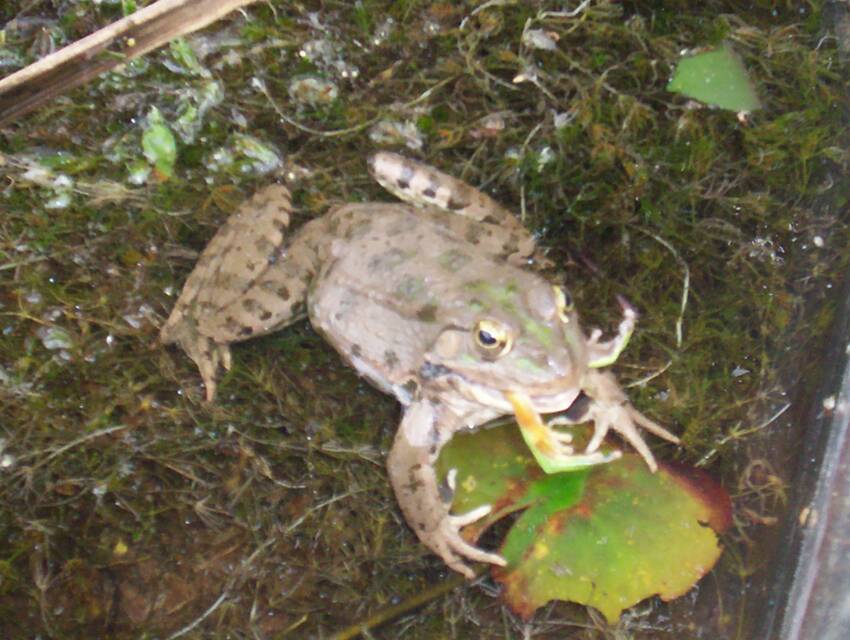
434	302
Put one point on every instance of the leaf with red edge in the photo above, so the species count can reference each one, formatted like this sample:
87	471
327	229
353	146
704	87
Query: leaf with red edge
608	536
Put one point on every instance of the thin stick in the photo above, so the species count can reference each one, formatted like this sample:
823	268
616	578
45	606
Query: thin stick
385	615
105	49
686	283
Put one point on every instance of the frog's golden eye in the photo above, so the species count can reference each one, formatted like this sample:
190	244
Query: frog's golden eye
564	302
492	337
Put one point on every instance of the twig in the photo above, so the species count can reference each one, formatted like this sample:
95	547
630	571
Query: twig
521	159
261	87
686	282
215	605
642	381
395	611
740	434
74	443
312	510
105	49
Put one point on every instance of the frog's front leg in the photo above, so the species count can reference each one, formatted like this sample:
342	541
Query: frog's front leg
609	408
423	431
601	354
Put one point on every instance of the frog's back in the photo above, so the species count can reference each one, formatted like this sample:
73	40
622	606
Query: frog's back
395	276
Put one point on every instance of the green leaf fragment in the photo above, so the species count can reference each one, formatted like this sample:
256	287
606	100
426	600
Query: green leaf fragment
185	59
158	144
716	78
261	157
607	536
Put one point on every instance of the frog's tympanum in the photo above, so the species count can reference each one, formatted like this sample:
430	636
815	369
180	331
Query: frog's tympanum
434	301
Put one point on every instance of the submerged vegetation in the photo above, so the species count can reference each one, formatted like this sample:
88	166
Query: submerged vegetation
129	508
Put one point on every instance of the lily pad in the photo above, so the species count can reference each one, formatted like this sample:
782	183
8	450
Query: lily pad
716	77
607	536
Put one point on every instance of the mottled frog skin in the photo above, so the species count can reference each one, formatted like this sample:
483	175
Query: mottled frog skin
434	301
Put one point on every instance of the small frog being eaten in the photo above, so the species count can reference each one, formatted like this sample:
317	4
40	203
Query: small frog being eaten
434	300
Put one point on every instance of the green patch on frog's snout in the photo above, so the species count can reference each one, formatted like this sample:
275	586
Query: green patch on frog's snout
540	332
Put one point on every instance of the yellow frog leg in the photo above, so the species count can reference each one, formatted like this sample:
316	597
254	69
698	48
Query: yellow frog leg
550	448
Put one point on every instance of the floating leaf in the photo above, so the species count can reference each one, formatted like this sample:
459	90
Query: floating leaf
717	78
158	144
607	536
257	157
184	60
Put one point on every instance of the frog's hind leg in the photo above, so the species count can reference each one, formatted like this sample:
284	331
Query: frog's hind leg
250	280
425	186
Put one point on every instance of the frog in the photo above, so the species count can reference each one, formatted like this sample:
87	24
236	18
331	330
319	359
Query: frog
439	300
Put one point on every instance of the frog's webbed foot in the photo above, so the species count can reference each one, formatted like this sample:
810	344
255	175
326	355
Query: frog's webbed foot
451	546
601	354
425	507
206	353
249	280
610	409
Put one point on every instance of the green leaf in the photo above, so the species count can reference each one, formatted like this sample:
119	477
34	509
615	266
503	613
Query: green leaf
607	536
158	144
717	78
183	55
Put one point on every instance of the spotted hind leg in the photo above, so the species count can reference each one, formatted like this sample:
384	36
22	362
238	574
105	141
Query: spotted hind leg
250	280
425	186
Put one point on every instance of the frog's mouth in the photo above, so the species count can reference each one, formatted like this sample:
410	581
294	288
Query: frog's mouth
528	405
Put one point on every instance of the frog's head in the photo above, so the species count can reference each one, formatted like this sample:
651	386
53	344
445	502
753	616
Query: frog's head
517	339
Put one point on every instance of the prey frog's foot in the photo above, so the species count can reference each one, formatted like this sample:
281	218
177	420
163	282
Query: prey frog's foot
601	354
552	449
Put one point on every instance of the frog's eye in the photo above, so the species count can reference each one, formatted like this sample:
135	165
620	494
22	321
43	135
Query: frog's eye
492	337
564	302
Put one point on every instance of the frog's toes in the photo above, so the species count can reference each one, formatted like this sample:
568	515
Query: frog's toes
562	438
447	542
207	367
469	517
456	545
652	426
622	419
